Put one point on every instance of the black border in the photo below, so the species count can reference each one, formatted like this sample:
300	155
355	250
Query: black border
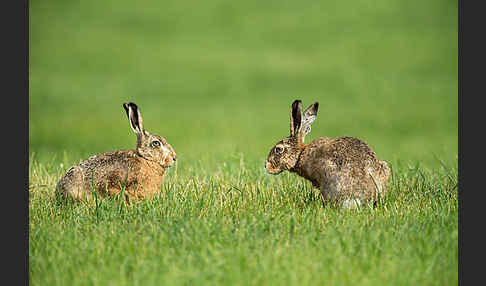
471	80
14	17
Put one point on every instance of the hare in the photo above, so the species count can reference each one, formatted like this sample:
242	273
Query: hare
345	169
137	172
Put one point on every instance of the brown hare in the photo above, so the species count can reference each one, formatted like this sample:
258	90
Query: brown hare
345	169
137	172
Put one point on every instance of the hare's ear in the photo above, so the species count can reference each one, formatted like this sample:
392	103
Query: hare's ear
135	118
308	117
295	117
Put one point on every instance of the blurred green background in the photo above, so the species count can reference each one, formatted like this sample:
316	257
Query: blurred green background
217	78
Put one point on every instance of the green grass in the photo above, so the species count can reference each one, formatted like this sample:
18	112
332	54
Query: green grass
243	227
217	79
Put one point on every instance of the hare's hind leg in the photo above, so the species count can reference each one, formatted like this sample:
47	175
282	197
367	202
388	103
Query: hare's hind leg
330	193
327	194
72	185
323	197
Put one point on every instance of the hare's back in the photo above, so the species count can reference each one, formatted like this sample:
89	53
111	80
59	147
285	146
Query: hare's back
346	151
110	162
109	167
350	163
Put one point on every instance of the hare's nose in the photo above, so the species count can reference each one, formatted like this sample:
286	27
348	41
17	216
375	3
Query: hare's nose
174	159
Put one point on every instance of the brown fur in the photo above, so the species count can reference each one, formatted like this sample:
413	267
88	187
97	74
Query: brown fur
137	172
342	168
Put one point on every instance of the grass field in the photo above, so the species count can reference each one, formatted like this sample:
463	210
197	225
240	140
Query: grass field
216	79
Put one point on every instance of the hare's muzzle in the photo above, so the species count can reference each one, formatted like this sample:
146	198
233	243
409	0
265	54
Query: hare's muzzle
170	161
270	169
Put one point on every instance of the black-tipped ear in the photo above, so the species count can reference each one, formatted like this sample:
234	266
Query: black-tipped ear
295	117
310	113
134	117
308	117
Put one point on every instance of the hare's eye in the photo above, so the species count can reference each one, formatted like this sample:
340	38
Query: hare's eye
155	143
278	150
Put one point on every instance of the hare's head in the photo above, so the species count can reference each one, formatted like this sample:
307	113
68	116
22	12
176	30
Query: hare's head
150	146
285	154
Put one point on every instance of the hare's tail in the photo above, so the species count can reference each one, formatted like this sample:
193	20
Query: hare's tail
71	184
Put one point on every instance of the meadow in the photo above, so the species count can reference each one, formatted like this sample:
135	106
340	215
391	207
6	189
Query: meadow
217	79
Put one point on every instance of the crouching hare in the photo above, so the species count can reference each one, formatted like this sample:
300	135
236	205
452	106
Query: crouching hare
345	169
137	172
